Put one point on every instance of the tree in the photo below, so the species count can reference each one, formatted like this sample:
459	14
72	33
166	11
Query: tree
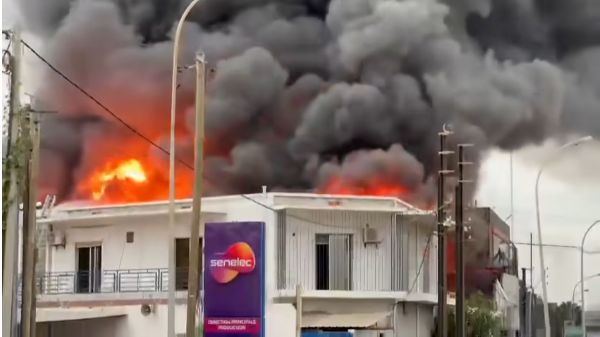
566	311
482	318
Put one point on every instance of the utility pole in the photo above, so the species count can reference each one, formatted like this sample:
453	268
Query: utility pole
460	242
12	219
193	272
299	310
532	295
442	305
31	129
523	303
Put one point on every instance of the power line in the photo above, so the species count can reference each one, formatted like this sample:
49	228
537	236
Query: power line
556	246
135	131
105	108
165	151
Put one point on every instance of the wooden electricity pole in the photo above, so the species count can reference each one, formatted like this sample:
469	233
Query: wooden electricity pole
9	249
193	272
459	243
30	228
442	305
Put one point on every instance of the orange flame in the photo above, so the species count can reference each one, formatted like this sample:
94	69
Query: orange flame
371	187
128	170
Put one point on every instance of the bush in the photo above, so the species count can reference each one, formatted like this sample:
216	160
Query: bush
482	318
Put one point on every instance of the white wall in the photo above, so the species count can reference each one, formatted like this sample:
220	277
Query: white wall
281	320
371	264
149	250
412	320
134	324
150	247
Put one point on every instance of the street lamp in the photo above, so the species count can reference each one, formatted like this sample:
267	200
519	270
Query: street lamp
581	277
573	318
584	290
171	236
548	161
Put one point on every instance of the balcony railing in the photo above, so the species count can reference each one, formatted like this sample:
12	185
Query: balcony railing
110	281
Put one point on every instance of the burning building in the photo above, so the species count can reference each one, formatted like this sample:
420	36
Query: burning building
489	253
339	96
326	96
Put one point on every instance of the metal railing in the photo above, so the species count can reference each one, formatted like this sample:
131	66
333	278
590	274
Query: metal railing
110	281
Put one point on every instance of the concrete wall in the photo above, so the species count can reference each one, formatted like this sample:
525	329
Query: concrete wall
150	250
132	325
412	320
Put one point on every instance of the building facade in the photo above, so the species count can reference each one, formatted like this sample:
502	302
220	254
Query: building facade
364	264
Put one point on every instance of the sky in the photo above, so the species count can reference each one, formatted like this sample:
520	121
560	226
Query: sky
567	191
566	197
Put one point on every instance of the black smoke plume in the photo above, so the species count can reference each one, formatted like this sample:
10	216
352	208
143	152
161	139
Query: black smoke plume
307	90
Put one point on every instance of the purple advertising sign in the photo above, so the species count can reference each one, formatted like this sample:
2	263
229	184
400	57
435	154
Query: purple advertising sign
234	279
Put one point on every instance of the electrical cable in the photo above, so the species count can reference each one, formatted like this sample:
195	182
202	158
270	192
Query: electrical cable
135	131
132	129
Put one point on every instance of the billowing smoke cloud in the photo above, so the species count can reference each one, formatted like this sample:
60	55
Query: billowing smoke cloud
306	91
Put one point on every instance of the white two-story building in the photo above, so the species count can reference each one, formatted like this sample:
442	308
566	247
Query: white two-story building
363	263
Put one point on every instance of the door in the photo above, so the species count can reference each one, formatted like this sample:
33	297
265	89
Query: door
339	261
89	269
333	261
182	262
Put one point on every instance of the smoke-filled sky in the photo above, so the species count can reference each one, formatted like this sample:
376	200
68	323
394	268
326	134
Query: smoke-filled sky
304	91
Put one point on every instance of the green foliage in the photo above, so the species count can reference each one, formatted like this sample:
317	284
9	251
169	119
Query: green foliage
565	311
482	318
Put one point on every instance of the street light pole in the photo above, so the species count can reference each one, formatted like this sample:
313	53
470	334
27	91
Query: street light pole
584	290
573	302
171	236
581	276
548	161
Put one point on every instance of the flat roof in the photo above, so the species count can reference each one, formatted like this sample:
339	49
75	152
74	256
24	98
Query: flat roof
275	201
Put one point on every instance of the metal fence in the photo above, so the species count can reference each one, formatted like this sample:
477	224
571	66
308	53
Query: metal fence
110	281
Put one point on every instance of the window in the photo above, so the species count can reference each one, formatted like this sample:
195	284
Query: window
500	252
182	262
333	263
129	237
